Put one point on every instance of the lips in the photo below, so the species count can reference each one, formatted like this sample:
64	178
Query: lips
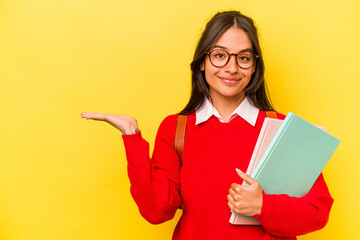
230	80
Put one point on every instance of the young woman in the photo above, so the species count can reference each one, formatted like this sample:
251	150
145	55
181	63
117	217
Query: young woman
225	114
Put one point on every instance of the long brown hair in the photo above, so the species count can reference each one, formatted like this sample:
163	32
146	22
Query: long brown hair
256	90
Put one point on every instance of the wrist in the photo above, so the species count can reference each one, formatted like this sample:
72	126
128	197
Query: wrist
260	203
130	131
131	128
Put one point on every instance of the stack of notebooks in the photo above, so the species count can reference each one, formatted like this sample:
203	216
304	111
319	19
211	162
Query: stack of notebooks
288	157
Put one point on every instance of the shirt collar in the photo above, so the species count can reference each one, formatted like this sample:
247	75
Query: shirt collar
245	110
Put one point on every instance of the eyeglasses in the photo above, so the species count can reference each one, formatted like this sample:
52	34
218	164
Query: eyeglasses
220	57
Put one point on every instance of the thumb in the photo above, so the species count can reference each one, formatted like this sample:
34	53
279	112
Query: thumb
245	177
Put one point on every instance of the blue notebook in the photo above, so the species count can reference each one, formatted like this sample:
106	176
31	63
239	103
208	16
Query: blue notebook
295	158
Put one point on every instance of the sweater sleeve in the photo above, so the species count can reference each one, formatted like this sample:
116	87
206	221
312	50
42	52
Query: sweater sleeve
154	182
285	216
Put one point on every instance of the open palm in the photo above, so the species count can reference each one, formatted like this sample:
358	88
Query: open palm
126	124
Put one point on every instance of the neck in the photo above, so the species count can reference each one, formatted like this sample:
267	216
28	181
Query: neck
226	105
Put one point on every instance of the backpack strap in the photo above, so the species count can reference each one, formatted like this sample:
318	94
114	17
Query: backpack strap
180	136
271	114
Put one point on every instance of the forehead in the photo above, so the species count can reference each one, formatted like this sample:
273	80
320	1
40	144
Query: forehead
234	39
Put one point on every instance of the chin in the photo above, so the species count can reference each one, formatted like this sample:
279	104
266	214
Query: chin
232	94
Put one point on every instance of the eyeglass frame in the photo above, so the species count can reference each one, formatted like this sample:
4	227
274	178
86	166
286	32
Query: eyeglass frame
233	54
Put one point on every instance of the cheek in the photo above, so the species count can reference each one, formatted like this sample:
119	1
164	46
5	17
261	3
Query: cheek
247	73
211	71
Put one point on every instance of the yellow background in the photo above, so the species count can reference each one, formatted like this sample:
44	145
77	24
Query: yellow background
62	177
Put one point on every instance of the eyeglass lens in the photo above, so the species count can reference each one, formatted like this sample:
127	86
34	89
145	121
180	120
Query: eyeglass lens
219	58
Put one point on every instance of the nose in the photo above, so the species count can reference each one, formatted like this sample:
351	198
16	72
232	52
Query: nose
231	66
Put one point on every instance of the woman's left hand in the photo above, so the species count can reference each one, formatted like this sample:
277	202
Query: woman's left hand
245	200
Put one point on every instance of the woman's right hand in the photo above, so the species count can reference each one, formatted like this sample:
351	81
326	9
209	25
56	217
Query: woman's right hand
126	124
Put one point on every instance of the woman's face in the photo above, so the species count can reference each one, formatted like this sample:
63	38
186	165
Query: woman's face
230	80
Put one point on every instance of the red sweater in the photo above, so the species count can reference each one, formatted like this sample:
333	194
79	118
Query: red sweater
211	153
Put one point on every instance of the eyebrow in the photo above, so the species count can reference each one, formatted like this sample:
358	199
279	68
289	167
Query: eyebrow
244	50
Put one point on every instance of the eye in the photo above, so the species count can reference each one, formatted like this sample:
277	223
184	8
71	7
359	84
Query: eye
246	57
219	55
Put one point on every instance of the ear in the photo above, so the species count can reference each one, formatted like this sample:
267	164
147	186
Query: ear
253	69
202	67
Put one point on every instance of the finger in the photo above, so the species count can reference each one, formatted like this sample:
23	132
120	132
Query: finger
87	115
232	208
232	192
245	177
235	196
236	187
92	115
230	199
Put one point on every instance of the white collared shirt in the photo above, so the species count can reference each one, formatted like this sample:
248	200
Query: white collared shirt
245	110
